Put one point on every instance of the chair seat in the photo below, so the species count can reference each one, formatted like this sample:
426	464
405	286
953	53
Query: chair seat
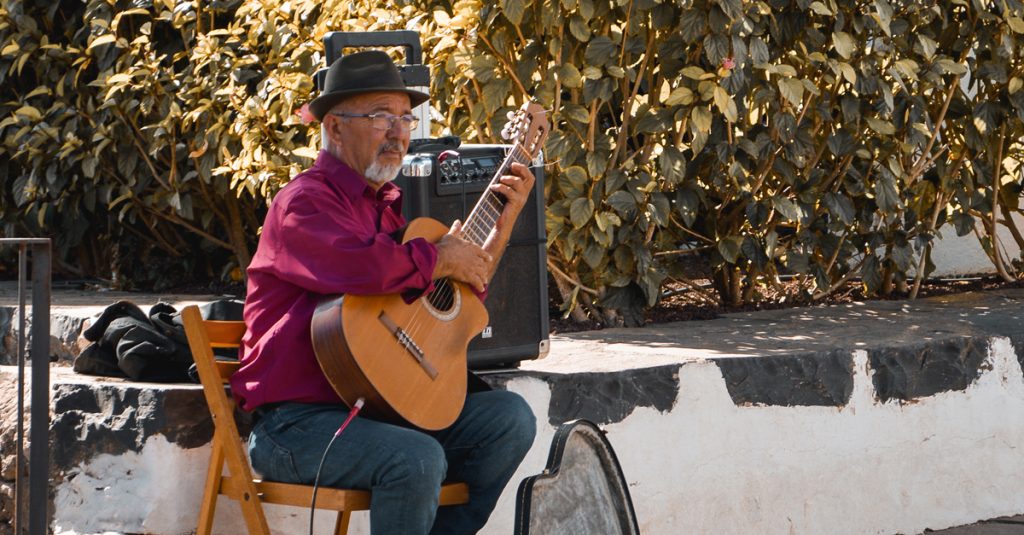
329	498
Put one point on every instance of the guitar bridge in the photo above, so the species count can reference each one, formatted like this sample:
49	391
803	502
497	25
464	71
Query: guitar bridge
408	343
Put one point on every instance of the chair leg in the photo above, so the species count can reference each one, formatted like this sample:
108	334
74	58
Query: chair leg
211	490
252	511
244	489
341	526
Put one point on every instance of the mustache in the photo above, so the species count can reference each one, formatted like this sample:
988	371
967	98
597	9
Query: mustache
389	146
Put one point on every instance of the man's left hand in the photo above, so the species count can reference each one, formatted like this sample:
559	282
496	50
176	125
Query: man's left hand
516	189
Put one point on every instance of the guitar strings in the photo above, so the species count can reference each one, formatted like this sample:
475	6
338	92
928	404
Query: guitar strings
484	216
475	233
444	290
479	224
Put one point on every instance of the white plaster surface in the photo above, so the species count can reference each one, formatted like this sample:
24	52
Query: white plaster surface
962	255
708	466
157	491
153	491
705	466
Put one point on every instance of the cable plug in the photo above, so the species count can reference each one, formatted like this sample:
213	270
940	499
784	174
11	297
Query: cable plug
351	414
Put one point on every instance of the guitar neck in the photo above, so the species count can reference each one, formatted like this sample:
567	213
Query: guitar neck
484	216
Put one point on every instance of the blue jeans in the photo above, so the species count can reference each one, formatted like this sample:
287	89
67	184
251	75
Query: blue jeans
403	467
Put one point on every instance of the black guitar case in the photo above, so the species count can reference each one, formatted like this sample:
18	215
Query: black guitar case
581	490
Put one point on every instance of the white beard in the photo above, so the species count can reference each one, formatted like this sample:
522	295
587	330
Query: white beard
379	173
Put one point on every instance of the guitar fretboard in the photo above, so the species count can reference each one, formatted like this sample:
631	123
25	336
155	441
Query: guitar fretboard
481	220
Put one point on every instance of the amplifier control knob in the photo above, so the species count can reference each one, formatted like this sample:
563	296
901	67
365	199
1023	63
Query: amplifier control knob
447	171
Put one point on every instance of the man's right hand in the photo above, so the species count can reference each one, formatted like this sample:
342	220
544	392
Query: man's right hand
462	260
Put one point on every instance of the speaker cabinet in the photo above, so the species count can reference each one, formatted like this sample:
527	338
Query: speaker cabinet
447	189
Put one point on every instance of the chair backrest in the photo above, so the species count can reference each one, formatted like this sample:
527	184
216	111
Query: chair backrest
203	337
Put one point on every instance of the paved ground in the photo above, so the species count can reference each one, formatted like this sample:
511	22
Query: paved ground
89	301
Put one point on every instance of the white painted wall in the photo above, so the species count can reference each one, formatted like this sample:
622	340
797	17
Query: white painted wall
706	466
962	255
712	467
149	491
709	466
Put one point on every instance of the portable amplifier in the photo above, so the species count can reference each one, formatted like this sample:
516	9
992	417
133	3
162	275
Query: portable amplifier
446	189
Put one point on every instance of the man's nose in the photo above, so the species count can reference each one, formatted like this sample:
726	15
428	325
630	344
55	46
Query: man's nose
397	132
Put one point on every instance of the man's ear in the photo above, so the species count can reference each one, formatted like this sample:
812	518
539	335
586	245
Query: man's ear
330	124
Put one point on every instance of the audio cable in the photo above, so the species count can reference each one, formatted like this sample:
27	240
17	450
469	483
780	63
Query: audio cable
316	481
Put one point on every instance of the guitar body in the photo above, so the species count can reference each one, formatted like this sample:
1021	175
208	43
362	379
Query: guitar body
408	361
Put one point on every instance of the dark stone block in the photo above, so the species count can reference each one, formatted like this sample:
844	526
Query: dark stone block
817	379
91	418
64	333
8	337
912	372
609	397
1017	340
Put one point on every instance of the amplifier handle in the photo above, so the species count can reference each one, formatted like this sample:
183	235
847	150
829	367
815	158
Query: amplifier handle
335	42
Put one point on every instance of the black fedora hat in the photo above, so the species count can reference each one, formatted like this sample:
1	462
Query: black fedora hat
361	72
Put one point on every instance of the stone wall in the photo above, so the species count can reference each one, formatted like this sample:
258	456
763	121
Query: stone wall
8	446
706	446
886	417
65	336
710	464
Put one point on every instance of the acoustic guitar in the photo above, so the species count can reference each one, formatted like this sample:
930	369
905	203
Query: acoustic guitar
408	360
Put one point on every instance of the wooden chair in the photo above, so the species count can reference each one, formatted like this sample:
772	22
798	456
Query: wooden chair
240	484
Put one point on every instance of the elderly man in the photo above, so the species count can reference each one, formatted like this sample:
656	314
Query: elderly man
331	231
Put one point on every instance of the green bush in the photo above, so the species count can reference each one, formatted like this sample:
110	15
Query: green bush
826	139
752	139
150	138
736	140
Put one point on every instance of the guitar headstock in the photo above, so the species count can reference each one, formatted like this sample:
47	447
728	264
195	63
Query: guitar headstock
528	126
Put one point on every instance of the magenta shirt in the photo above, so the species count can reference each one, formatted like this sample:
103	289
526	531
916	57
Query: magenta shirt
327	232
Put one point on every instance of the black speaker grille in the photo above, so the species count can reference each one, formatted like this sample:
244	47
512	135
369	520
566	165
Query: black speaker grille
517	295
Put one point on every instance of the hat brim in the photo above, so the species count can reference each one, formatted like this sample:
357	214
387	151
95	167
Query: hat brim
323	104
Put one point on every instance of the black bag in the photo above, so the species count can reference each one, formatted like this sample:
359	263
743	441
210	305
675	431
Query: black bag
126	342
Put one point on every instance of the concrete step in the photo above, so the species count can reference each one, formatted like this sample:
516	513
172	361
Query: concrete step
72	307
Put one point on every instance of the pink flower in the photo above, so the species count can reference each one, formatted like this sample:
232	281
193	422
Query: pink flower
306	115
728	64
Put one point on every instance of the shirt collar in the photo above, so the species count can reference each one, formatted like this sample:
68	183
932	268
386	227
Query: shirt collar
352	184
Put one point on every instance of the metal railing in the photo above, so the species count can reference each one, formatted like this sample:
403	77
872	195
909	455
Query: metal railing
39	425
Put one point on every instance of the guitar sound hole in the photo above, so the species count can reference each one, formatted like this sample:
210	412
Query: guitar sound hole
442	297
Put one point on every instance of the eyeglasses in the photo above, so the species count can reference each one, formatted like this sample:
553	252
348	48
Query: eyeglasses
385	121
